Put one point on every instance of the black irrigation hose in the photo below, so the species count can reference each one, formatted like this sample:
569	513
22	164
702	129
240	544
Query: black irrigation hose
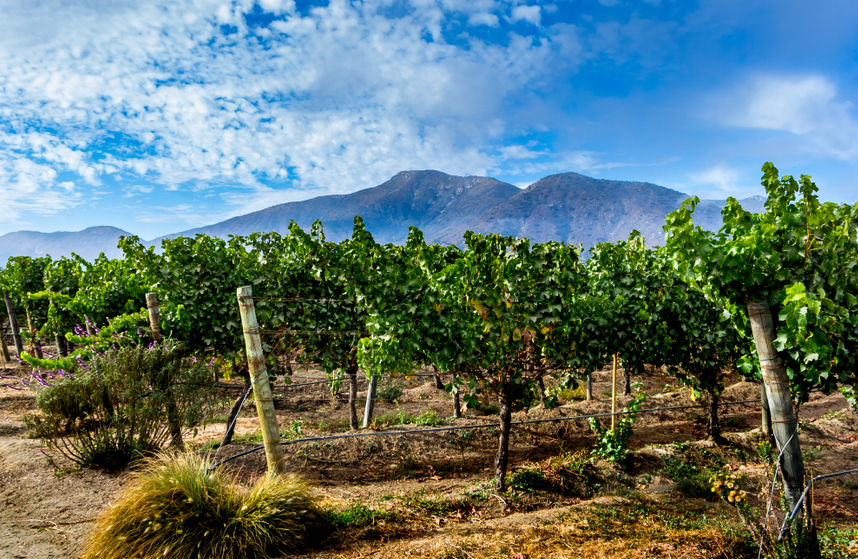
326	381
463	427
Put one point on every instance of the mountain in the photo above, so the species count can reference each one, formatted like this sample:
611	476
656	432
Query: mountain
87	243
565	207
574	208
429	200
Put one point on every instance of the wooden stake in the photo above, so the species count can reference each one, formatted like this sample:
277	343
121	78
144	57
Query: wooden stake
589	386
779	396
154	316
13	323
261	387
370	401
3	347
614	395
34	338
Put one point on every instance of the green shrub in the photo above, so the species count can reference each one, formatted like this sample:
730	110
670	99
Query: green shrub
568	474
358	515
177	508
690	480
125	404
613	445
389	390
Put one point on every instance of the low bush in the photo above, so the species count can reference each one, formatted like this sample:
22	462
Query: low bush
568	474
613	445
389	390
176	508
124	404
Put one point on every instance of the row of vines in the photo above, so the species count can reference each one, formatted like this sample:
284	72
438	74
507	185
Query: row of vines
499	316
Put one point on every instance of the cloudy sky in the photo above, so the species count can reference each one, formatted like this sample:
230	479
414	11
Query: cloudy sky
162	115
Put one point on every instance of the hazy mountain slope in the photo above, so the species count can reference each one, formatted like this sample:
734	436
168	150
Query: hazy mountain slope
87	243
565	207
428	200
574	208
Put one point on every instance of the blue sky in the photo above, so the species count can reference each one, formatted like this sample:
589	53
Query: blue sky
163	115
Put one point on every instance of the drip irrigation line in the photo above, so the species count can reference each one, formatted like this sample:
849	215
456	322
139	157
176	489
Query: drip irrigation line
301	299
316	332
789	519
327	381
463	427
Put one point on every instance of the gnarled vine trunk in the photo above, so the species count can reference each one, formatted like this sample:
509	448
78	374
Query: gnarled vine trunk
713	429
351	373
502	460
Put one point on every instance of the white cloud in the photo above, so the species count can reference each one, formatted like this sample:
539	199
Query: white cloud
483	18
717	182
187	95
805	106
530	14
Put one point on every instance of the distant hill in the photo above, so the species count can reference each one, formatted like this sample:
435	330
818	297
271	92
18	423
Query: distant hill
429	200
87	243
565	207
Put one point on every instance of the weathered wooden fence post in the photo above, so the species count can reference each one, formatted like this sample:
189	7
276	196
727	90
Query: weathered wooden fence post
13	323
3	347
370	400
172	414
37	351
62	348
154	316
261	387
589	386
779	396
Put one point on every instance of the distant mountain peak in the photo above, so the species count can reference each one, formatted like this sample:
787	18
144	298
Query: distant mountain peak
568	207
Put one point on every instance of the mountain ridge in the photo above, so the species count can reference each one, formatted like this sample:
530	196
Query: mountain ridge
567	207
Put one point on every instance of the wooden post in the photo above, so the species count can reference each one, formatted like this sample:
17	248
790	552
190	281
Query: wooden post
614	395
259	378
3	347
766	415
370	400
34	338
62	348
589	387
779	396
172	414
154	316
13	323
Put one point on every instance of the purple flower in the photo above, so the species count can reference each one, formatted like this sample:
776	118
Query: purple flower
211	362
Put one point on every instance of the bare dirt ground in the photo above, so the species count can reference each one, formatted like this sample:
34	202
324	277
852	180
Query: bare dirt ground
429	495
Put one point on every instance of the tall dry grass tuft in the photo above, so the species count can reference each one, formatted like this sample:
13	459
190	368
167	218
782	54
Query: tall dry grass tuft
175	508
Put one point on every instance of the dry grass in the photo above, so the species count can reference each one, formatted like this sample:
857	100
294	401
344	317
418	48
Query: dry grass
175	508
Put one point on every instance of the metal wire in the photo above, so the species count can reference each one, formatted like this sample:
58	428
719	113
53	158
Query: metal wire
789	519
463	427
772	493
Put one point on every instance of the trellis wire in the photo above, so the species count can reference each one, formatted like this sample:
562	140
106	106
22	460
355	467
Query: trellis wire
789	519
463	427
772	494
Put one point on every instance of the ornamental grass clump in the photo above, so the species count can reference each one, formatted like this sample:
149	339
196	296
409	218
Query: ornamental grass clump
176	508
